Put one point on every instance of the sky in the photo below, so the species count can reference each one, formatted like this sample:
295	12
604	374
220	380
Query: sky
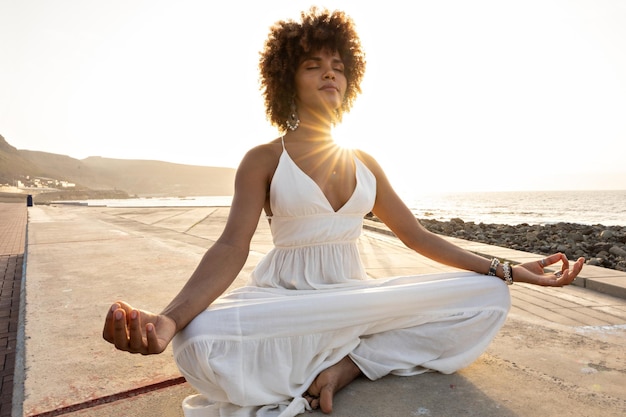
458	95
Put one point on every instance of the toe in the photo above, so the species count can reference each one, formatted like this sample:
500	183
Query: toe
326	398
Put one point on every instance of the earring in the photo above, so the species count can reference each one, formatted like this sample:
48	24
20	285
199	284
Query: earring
293	121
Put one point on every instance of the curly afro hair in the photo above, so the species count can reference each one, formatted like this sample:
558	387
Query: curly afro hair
290	41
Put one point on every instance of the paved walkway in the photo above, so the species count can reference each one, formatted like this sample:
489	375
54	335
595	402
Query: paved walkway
561	351
13	219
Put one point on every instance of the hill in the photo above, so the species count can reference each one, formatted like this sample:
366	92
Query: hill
134	177
156	178
13	165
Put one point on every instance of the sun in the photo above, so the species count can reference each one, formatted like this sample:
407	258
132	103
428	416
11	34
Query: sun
344	136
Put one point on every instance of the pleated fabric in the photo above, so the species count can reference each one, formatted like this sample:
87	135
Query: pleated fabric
309	303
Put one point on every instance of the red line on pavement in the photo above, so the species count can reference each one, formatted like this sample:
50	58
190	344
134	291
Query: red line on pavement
112	398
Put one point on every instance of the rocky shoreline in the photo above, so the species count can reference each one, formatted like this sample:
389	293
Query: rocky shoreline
603	246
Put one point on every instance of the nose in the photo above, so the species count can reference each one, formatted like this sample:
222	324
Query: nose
329	75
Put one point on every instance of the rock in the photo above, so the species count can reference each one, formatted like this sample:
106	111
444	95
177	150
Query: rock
617	251
531	237
587	230
575	236
606	235
562	248
601	245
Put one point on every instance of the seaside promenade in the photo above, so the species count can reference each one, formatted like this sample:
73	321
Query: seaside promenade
560	353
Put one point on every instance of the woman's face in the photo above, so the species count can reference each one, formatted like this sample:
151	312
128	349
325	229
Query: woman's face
320	82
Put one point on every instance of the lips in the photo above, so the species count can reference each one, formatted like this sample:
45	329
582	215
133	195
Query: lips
330	87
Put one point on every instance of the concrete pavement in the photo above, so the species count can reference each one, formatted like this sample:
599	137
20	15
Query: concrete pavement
561	351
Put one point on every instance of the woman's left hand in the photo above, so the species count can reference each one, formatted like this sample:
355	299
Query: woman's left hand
533	272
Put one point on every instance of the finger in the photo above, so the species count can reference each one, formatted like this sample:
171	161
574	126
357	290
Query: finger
125	306
108	332
569	275
153	339
563	279
578	266
120	329
555	281
134	332
554	258
565	265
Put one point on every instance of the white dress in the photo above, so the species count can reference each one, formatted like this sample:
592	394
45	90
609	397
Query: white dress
309	303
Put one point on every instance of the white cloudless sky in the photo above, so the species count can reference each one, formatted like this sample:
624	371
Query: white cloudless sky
458	95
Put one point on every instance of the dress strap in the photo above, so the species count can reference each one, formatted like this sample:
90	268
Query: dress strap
282	140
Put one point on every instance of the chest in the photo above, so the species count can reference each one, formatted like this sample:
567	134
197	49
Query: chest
333	172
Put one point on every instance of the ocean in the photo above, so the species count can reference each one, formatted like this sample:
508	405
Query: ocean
533	207
512	207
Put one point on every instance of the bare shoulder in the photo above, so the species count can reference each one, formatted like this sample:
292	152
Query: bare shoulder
262	157
370	162
389	207
252	182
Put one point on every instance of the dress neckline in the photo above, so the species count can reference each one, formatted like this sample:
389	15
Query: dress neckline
317	186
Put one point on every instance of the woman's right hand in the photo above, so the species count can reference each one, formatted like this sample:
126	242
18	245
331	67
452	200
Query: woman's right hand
137	331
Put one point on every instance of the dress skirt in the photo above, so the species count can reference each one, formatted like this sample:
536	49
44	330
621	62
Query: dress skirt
256	350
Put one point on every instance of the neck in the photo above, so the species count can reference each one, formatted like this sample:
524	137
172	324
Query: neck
315	122
304	137
307	132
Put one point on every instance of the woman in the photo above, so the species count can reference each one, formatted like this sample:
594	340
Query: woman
310	320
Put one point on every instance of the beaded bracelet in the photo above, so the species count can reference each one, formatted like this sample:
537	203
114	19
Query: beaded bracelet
493	267
508	273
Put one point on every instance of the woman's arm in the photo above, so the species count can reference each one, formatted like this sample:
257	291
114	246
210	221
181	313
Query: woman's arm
390	209
139	331
225	259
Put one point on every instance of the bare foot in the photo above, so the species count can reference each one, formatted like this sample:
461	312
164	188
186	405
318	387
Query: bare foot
329	382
